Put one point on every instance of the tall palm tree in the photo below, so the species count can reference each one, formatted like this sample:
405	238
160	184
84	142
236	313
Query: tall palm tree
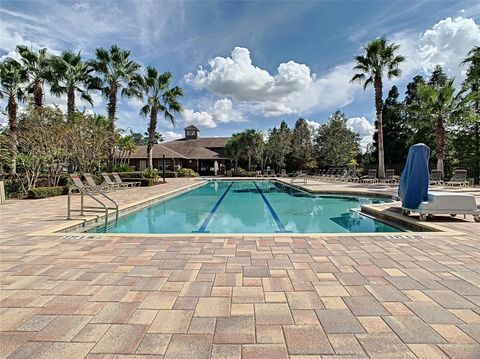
380	57
70	75
161	98
116	72
36	64
12	78
442	104
473	82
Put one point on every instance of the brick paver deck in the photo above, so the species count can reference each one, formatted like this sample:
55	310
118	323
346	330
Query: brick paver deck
234	297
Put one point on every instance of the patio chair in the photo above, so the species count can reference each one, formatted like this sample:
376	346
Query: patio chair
103	187
342	176
283	172
371	177
352	176
329	175
389	176
459	178
272	173
78	183
118	180
258	173
109	182
436	178
265	173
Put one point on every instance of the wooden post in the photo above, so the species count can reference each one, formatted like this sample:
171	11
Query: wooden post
163	168
2	193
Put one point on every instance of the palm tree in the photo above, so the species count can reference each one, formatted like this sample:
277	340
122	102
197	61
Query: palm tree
380	57
36	64
473	82
12	78
442	104
116	72
159	138
161	98
69	75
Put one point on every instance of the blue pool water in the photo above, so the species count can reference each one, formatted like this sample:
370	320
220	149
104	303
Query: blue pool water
251	207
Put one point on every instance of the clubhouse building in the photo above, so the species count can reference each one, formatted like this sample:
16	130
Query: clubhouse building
205	156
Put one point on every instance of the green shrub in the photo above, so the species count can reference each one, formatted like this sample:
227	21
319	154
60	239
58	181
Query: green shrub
13	188
144	182
150	173
135	174
123	168
240	172
186	172
44	192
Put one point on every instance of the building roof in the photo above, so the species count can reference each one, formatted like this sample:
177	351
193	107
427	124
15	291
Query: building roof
199	148
158	152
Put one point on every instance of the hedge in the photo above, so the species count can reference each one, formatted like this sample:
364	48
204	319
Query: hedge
136	174
44	192
13	188
186	172
144	182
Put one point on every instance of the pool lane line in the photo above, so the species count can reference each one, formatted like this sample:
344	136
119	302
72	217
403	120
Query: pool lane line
279	223
212	212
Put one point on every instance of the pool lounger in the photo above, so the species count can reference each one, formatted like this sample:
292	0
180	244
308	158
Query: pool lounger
446	203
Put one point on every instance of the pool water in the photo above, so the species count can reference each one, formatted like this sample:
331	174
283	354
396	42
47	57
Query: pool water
251	207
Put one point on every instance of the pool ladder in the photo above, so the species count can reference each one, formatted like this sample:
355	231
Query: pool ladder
102	208
300	176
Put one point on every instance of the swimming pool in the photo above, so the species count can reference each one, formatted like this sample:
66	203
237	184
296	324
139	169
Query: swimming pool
251	207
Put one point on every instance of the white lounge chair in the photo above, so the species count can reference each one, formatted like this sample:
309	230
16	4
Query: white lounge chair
446	203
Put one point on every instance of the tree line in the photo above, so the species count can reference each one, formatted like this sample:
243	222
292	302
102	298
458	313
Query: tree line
112	73
434	112
333	144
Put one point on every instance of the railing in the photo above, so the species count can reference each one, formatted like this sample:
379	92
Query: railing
300	177
90	192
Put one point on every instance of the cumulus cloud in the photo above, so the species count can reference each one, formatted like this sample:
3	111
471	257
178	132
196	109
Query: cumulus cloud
364	128
293	89
446	43
171	136
201	118
222	111
313	124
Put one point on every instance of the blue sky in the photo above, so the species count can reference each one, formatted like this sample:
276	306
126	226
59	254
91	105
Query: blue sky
261	62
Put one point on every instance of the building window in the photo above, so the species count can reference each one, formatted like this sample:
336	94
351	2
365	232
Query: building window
191	133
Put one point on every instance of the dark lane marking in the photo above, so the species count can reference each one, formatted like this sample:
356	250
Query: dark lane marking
212	212
279	223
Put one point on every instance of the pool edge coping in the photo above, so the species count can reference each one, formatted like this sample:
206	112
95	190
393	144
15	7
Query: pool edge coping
71	228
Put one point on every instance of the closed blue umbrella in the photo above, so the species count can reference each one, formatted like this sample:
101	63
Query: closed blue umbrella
413	188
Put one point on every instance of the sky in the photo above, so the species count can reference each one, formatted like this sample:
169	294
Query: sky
250	64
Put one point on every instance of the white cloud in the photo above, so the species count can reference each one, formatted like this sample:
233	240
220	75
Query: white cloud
293	89
171	136
313	124
222	111
202	118
446	43
364	128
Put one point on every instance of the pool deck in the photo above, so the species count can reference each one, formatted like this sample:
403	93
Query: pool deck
256	296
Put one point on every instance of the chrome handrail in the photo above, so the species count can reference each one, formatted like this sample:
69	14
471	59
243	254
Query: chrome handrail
299	175
89	190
